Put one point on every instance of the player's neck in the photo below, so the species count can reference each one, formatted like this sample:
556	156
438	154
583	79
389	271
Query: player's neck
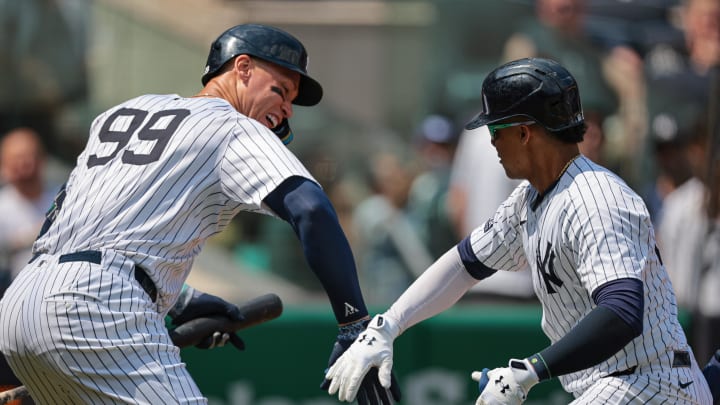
215	89
552	167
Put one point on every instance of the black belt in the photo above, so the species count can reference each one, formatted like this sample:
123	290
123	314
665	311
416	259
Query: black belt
94	256
628	371
681	358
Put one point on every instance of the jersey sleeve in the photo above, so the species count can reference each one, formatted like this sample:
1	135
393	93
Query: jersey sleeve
611	234
498	244
255	163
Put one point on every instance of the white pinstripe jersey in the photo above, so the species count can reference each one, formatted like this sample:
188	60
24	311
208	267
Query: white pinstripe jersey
162	173
590	228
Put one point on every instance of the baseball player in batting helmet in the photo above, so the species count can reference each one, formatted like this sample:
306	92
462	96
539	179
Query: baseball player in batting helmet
83	322
608	306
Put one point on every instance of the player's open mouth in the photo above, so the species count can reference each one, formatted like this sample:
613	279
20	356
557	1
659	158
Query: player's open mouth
272	120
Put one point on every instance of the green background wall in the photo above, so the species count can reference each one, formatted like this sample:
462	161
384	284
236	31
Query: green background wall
285	358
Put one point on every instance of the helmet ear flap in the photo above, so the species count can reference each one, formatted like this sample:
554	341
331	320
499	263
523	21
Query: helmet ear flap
284	132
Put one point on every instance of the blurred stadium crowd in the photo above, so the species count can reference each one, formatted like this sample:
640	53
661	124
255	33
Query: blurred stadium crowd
409	185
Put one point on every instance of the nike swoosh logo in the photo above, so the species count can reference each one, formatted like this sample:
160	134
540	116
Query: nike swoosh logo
685	385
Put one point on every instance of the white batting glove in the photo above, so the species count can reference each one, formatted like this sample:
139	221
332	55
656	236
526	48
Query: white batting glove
372	348
507	385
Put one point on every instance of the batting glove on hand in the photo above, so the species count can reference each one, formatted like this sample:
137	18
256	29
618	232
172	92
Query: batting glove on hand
507	385
364	368
193	304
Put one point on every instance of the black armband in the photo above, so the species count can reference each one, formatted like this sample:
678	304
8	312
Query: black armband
473	266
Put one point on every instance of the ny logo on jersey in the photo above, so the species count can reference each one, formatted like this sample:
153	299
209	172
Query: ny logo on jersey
545	266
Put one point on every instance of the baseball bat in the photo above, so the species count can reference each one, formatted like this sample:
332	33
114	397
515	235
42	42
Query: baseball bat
255	311
13	394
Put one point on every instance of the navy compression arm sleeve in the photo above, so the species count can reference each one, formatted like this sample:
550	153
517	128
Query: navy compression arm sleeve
304	205
615	322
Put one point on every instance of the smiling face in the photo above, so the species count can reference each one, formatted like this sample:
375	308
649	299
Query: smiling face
268	91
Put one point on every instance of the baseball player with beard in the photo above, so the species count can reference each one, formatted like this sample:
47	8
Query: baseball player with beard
83	322
608	305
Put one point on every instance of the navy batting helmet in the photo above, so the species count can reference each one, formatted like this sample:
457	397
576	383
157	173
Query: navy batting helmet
532	87
267	43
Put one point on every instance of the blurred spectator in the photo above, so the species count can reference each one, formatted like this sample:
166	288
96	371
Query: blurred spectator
700	51
557	32
678	82
478	186
43	64
389	252
689	238
669	132
435	140
24	198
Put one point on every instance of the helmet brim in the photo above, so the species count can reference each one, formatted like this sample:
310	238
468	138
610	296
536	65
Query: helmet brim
479	120
309	93
485	119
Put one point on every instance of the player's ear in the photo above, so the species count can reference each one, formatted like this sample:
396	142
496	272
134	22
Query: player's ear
524	134
243	65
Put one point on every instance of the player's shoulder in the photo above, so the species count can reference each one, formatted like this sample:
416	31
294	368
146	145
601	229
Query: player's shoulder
520	196
148	100
586	175
598	186
522	190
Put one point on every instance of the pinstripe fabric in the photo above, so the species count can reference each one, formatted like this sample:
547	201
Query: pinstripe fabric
90	334
216	163
160	174
587	230
641	389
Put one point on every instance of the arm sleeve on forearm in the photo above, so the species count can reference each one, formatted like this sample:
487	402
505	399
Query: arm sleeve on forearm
603	332
436	290
304	205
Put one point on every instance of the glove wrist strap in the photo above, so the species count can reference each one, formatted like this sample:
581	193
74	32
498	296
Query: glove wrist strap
538	364
385	325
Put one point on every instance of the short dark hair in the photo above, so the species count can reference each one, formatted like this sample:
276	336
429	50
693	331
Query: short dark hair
574	134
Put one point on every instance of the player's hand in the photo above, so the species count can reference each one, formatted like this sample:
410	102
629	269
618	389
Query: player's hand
193	304
507	385
362	366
